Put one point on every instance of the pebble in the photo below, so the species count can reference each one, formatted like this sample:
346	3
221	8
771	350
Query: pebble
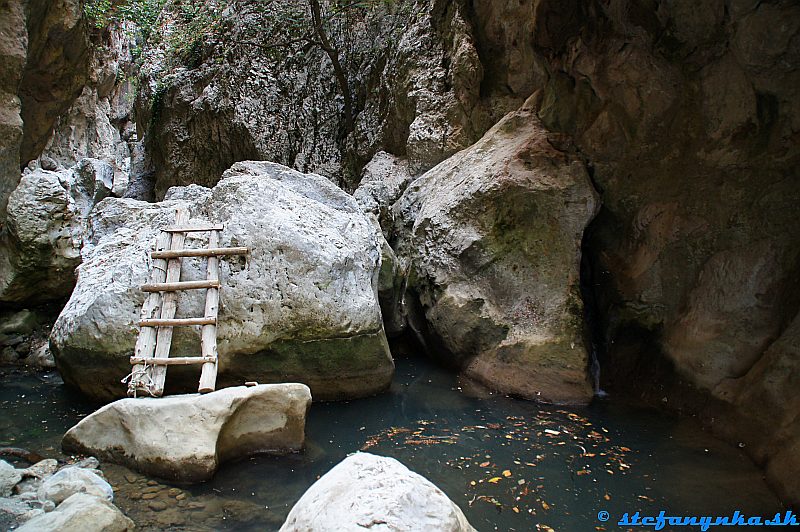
195	505
174	492
149	496
180	496
151	489
157	506
152	483
134	496
130	477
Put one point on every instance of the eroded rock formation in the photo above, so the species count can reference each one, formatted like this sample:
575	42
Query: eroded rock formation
492	239
46	222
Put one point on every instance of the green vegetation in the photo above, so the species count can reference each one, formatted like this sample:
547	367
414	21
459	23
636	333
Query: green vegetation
142	13
192	23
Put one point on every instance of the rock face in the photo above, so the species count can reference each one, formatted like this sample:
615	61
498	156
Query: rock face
186	437
97	123
415	93
13	49
49	60
301	308
695	255
81	513
366	491
56	69
492	236
47	217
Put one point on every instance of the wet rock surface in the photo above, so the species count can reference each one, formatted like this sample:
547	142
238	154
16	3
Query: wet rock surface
81	513
47	496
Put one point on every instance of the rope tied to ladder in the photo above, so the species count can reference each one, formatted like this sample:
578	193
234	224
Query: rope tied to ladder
140	379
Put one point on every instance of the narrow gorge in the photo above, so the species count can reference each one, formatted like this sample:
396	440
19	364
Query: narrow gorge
542	253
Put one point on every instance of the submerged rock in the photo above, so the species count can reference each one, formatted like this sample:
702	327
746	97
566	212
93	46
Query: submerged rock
365	491
492	238
186	437
81	512
302	307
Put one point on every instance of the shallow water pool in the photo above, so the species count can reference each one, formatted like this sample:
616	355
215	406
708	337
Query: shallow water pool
509	464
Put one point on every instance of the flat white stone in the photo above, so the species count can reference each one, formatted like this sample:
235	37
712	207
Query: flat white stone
186	437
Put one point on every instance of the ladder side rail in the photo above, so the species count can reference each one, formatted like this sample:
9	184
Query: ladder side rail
146	341
169	306
208	339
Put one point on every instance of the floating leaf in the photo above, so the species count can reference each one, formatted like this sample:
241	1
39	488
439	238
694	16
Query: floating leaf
516	510
607	497
472	483
494	480
545	505
484	464
506	473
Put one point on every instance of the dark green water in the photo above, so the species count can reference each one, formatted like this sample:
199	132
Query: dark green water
509	464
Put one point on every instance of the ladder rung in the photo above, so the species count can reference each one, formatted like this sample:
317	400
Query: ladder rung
193	229
182	285
210	252
174	361
177	322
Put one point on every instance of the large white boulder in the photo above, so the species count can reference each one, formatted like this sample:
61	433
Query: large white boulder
302	307
186	437
81	512
372	492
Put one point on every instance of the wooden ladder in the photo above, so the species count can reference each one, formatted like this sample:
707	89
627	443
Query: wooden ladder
151	355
